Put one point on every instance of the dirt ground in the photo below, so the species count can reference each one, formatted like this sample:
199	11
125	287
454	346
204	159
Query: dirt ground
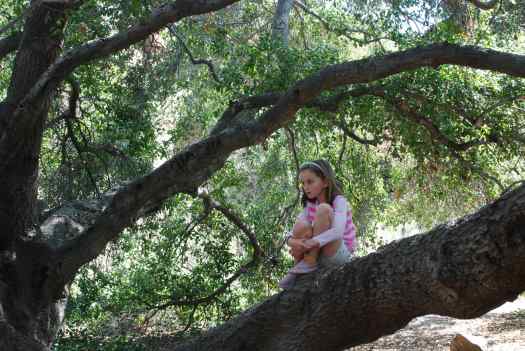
502	329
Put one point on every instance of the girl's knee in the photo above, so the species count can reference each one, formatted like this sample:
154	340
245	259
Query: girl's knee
324	211
302	230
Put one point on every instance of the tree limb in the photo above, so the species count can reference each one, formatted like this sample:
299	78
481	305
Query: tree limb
9	44
427	123
258	254
344	32
341	124
234	218
159	18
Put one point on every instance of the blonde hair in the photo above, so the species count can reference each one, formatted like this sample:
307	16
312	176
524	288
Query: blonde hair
323	170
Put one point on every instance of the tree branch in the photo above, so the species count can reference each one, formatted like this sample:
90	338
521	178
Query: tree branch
69	116
344	32
9	44
190	55
159	18
234	218
341	124
435	133
258	254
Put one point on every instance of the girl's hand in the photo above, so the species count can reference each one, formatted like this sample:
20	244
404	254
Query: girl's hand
311	244
297	248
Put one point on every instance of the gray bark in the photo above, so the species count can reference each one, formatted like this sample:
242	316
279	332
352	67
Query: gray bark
281	19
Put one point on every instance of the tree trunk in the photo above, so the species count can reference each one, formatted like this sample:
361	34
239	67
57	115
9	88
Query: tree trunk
29	316
281	19
35	333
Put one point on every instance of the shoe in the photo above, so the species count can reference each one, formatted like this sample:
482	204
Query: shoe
288	281
303	268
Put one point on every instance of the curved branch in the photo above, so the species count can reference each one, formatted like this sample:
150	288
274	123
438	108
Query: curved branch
427	123
232	217
344	31
258	254
159	18
192	59
352	135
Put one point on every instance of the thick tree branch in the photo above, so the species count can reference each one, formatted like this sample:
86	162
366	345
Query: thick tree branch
462	270
21	135
9	44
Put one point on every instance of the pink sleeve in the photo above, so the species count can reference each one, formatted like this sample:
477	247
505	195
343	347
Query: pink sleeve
337	229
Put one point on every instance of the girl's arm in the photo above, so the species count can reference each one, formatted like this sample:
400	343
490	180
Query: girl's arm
337	229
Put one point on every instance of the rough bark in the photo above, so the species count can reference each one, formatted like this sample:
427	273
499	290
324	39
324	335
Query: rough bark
462	270
24	310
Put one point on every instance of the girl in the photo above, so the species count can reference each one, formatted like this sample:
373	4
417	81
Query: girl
323	232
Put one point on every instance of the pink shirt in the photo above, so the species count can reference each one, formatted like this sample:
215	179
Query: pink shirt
342	225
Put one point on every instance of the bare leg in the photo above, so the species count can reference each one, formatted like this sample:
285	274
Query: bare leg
322	222
301	230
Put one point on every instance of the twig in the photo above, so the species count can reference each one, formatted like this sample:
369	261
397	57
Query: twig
190	55
343	32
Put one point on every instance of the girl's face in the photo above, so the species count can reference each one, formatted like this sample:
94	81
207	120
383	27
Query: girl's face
313	185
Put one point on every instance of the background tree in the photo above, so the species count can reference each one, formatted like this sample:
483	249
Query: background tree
97	95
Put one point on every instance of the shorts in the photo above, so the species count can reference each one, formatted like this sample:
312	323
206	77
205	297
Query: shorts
342	255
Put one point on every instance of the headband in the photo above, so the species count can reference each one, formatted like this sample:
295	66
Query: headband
312	164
